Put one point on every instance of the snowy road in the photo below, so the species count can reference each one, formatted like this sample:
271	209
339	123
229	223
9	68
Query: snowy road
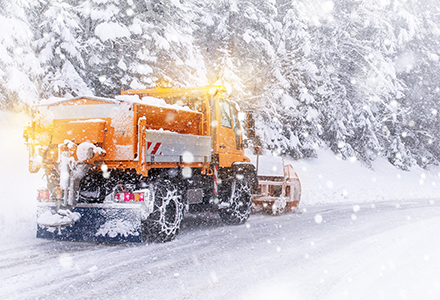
380	251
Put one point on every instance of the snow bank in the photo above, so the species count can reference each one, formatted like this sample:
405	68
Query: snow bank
329	179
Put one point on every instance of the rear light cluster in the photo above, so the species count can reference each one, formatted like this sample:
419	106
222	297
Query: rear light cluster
122	197
44	195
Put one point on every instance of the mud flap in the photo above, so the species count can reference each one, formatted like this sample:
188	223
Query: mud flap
100	224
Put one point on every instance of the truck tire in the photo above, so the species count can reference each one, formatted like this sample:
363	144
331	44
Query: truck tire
236	208
163	224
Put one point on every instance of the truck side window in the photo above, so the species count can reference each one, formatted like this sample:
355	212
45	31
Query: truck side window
236	126
225	114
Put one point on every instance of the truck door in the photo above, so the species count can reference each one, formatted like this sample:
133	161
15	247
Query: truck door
236	127
228	144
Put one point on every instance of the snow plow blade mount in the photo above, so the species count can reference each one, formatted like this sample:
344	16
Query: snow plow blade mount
95	223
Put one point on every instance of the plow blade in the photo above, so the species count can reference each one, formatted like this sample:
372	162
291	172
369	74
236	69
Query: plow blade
279	187
90	222
279	194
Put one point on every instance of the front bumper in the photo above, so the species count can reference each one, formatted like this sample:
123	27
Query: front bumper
97	222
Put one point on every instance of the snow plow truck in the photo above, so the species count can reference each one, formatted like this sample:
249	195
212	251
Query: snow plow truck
127	169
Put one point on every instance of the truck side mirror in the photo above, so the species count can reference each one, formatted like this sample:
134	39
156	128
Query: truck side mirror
250	126
245	143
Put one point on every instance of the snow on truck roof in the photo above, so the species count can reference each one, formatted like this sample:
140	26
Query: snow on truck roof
151	101
118	99
58	100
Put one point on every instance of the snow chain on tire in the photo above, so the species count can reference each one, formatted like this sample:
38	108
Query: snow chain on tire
163	224
239	203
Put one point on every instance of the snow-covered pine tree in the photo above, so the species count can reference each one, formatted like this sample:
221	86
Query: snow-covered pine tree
240	39
19	68
417	28
106	39
216	23
294	94
138	44
335	57
60	49
368	75
359	76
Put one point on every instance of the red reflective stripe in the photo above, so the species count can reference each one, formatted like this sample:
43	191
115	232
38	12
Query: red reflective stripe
156	147
153	148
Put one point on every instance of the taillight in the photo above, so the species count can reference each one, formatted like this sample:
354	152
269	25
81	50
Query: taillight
122	197
43	195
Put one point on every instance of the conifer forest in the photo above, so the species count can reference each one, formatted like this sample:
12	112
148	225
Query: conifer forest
361	77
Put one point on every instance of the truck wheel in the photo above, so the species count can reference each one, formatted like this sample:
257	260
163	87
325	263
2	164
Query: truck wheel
163	224
236	209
